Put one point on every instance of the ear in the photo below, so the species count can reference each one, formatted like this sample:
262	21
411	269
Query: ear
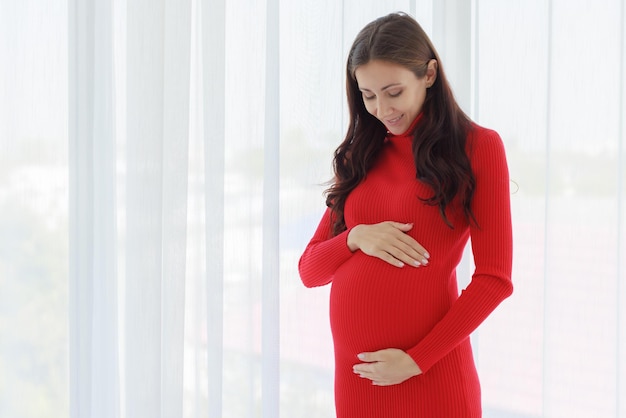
431	72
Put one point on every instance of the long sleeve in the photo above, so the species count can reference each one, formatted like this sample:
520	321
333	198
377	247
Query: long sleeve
492	250
323	255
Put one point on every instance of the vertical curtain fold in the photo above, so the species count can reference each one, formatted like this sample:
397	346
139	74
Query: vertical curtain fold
454	45
176	84
621	227
213	27
106	376
270	326
547	177
80	70
94	362
158	79
547	291
144	212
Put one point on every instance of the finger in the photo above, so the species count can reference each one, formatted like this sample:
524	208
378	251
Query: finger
365	373
398	254
369	357
368	374
414	246
404	227
389	258
407	255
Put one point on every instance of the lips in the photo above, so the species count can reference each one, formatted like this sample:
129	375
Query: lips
393	121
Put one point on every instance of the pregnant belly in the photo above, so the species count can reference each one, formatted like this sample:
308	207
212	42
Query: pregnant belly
374	305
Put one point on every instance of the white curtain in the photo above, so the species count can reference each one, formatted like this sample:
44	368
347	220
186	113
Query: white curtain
551	79
162	166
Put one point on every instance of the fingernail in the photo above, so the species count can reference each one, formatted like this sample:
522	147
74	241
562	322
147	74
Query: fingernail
417	263
424	261
361	356
400	264
426	255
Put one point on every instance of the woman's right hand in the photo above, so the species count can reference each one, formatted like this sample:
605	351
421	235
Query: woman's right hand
389	242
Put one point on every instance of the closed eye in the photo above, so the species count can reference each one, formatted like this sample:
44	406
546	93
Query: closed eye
391	94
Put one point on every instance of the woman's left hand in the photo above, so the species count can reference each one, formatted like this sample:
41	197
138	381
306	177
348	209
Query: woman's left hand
386	367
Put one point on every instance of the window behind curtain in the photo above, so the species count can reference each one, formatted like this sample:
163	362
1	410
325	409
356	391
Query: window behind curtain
550	79
33	209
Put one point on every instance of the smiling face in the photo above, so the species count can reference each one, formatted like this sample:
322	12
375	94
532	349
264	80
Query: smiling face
393	93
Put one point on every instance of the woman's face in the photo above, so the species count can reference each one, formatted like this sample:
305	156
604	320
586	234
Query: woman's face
393	93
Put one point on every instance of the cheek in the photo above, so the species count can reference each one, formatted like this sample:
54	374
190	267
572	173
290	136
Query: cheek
370	107
420	97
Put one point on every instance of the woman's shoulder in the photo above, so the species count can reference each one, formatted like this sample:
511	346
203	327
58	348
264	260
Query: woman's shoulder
480	137
483	136
484	144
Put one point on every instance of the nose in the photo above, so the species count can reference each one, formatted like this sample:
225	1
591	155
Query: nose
383	108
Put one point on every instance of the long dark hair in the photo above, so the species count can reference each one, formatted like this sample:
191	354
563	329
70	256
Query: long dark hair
439	140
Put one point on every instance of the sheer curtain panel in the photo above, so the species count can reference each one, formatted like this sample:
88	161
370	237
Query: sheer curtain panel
93	281
33	209
557	348
128	206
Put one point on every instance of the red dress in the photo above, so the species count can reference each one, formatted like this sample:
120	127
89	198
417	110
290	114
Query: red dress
374	305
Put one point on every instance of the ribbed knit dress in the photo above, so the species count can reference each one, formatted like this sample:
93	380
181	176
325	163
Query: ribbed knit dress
374	305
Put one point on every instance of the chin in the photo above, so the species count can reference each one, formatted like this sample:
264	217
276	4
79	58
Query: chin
397	130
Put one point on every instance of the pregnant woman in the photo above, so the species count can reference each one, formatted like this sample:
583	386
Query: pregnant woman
415	178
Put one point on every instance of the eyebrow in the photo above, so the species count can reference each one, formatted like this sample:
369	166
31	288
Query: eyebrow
383	89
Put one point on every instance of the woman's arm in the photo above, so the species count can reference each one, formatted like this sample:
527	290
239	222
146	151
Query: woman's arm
492	247
323	255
